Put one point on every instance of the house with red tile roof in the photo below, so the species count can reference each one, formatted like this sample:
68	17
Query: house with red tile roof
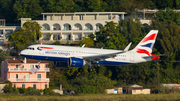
23	73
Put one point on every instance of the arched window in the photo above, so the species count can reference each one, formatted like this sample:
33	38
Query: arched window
77	27
66	27
98	26
56	27
88	27
45	27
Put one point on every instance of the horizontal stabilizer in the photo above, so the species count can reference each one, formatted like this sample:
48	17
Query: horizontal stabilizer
128	46
152	56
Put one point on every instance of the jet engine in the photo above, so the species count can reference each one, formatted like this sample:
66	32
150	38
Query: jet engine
76	62
72	62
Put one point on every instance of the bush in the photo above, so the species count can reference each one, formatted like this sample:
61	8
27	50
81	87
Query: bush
9	89
15	91
57	43
167	90
30	88
94	85
22	90
47	91
33	92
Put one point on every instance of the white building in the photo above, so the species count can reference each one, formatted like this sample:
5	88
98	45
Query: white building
73	27
136	89
5	32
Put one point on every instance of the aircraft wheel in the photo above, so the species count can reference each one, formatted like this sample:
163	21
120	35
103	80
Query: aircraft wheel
80	70
90	70
37	66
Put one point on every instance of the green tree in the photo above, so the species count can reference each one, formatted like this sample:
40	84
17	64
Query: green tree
27	8
57	5
6	10
88	42
162	4
168	16
110	36
27	35
96	5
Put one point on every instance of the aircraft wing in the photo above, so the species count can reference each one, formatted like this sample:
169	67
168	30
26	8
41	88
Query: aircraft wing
96	58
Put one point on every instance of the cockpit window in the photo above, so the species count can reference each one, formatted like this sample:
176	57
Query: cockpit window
30	48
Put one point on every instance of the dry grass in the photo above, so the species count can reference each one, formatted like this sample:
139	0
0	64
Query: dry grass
92	97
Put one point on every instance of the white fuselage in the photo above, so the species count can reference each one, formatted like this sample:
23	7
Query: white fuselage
58	53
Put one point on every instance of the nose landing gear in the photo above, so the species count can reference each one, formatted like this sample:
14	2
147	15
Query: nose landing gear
38	66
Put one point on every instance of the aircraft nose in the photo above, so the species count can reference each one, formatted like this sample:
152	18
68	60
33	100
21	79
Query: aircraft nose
22	53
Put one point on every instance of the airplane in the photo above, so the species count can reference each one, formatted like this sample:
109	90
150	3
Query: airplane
65	56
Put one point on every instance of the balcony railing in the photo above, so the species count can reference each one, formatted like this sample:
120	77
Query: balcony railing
27	70
29	79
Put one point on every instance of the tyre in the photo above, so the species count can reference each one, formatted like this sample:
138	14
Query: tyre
80	70
90	70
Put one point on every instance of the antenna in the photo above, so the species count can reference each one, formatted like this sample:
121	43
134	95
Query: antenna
83	45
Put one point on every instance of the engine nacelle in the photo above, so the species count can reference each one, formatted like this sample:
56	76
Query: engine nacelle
76	62
72	62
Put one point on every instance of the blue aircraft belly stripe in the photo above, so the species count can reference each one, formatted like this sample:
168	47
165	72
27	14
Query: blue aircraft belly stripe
109	63
48	58
112	63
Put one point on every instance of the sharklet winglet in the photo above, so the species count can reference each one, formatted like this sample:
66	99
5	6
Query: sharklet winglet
128	46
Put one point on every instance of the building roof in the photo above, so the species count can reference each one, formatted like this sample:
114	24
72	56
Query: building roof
19	61
88	13
134	85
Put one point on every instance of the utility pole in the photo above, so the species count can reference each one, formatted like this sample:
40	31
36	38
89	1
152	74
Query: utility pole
158	73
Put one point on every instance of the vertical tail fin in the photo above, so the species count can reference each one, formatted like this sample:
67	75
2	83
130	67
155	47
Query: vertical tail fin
147	43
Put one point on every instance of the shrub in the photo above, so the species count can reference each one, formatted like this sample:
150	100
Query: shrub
9	89
30	88
167	90
57	43
22	90
15	91
47	91
94	85
33	92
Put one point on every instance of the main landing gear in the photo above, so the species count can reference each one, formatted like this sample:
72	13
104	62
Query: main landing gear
89	68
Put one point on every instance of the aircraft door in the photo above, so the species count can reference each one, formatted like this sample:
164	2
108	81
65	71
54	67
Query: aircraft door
132	56
41	51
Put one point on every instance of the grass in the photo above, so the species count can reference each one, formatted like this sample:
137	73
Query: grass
91	97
